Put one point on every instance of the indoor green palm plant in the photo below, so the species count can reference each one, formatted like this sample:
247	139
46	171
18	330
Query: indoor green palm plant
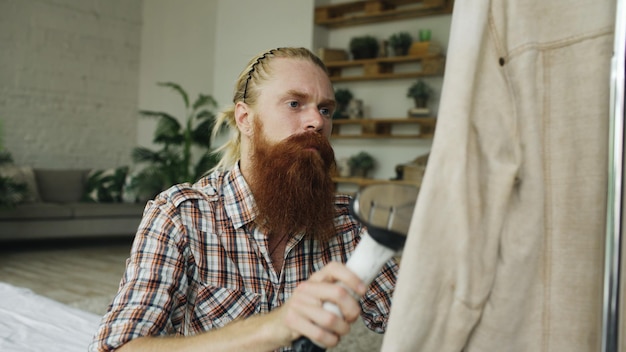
174	161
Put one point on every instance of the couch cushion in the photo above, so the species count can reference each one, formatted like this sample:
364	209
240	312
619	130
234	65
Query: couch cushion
61	186
22	174
34	211
94	210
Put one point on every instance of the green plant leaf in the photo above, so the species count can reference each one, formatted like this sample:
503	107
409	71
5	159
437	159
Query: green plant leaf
5	158
168	131
11	192
178	89
206	163
145	155
204	100
148	182
419	89
205	114
403	39
362	160
201	135
175	162
171	161
159	114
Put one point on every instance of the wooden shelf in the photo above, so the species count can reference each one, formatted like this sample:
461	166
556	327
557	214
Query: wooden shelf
372	11
382	128
383	68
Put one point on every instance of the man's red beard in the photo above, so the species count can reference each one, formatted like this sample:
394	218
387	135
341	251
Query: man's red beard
292	185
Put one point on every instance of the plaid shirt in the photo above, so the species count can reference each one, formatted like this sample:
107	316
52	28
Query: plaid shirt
199	262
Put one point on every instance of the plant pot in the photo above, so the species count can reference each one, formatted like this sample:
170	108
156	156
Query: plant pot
340	114
364	53
355	109
362	173
420	102
401	50
419	48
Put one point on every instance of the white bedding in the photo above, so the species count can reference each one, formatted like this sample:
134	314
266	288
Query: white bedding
29	322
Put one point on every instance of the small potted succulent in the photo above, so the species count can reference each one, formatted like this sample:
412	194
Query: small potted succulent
401	42
364	47
420	92
361	164
343	97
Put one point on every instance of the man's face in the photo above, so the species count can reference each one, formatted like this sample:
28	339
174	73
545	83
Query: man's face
298	97
291	157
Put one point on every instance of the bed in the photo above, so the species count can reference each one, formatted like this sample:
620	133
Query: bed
30	322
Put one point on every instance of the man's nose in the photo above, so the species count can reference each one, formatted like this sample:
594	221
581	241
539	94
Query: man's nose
314	120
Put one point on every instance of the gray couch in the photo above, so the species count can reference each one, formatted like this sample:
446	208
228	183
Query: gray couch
55	210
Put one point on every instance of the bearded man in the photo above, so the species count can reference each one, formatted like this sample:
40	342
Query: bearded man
243	259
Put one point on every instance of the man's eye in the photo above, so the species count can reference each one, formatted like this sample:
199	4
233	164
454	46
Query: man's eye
294	104
325	111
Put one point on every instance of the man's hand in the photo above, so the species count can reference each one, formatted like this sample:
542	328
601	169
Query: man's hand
303	313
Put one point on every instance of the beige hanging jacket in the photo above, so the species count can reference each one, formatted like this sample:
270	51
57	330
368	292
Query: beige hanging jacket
505	251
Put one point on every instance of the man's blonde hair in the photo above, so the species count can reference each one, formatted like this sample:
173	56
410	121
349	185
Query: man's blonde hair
247	91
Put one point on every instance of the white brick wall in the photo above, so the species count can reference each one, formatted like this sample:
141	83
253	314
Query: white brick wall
69	73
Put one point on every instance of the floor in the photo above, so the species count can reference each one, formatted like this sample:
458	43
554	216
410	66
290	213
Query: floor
86	274
81	273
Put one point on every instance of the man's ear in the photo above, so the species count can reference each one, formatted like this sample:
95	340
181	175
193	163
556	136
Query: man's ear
243	117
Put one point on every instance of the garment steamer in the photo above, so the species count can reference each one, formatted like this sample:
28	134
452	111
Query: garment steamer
386	211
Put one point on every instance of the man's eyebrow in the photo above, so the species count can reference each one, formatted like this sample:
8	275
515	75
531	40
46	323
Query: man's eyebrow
296	94
301	95
328	102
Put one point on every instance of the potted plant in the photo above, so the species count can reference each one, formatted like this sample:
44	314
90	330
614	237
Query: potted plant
363	47
401	42
343	97
174	163
360	164
420	92
11	192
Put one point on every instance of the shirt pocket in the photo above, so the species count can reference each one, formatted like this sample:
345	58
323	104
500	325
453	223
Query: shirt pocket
218	306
